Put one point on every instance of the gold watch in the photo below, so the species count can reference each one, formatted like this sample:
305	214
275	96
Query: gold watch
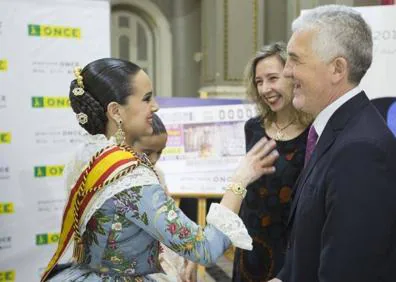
237	188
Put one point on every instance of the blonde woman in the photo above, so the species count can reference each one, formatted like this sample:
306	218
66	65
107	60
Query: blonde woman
265	209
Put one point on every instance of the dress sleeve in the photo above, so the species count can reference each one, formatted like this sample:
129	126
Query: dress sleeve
152	210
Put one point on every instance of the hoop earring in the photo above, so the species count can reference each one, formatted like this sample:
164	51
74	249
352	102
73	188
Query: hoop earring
120	135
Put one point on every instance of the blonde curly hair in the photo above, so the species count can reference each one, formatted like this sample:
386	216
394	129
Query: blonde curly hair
267	115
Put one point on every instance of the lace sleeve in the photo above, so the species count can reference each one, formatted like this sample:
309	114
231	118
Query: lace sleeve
231	225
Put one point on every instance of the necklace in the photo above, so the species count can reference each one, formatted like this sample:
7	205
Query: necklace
280	135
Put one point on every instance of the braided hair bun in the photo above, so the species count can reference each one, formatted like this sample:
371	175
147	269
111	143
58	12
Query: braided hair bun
86	104
101	82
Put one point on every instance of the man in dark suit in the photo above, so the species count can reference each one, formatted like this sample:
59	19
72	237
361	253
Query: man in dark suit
342	225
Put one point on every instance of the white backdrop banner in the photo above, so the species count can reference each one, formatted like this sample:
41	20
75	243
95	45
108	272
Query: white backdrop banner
40	43
380	78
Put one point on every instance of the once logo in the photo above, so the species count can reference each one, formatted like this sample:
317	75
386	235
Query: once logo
3	65
48	171
54	31
6	208
47	238
8	275
50	102
5	137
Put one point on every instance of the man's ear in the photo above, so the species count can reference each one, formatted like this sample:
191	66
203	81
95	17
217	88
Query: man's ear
340	69
114	111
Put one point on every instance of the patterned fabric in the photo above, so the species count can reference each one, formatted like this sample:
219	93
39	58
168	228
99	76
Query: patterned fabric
266	208
108	165
311	143
172	263
122	237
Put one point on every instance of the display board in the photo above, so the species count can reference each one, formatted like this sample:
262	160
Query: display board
40	43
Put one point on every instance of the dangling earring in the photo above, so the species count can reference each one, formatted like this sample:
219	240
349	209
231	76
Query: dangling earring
120	135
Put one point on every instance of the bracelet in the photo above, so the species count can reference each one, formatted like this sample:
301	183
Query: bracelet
237	188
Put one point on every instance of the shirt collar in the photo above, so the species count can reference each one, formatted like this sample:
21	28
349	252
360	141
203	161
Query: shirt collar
324	116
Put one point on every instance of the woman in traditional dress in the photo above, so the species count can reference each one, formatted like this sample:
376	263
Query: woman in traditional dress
117	212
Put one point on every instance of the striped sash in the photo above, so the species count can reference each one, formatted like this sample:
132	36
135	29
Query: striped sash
106	166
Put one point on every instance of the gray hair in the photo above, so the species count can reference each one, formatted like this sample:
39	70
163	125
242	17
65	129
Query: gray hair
340	32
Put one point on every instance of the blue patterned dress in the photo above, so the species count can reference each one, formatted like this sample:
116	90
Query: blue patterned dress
127	221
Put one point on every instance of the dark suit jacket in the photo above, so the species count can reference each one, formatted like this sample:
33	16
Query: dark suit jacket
342	225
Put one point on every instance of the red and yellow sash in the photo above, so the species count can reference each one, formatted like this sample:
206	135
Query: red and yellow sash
105	167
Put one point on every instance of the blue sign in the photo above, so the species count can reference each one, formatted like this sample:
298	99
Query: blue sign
391	118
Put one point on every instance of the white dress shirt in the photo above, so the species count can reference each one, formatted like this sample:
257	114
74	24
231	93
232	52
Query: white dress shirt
324	116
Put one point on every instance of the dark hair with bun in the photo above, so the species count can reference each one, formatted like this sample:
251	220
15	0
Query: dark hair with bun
105	80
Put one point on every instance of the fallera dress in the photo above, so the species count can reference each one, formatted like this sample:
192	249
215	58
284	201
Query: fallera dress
128	219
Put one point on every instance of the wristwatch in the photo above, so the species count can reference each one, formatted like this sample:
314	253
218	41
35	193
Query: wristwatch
237	188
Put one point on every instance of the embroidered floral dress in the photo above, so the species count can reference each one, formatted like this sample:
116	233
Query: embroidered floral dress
128	219
173	264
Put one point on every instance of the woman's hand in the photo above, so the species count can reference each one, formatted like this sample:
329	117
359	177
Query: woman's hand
190	272
257	162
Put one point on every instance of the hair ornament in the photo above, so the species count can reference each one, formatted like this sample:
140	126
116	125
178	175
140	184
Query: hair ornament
78	91
78	76
82	118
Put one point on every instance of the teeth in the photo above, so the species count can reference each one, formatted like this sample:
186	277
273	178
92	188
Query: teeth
272	99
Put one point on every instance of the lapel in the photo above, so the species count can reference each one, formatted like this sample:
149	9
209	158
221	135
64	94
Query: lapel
334	126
